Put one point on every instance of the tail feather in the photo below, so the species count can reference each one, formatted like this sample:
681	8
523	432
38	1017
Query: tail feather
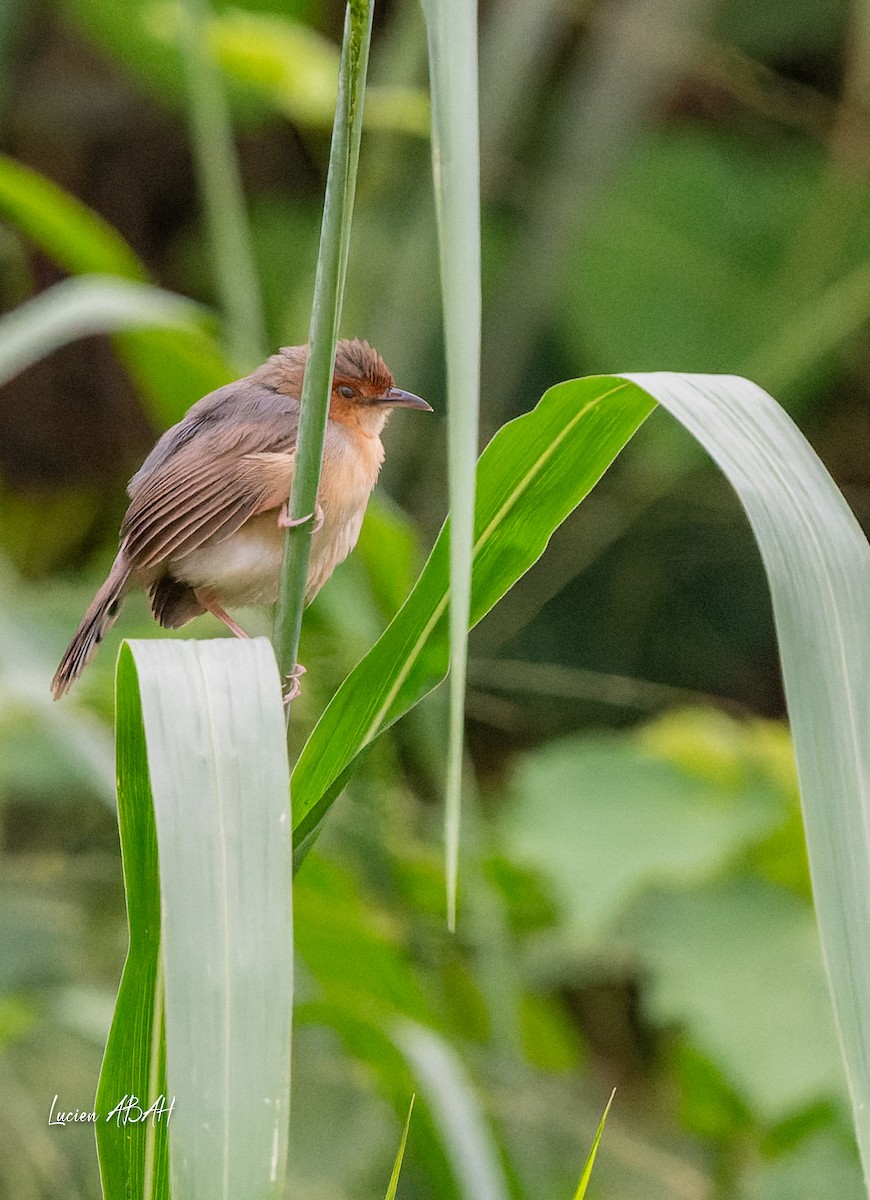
96	622
173	603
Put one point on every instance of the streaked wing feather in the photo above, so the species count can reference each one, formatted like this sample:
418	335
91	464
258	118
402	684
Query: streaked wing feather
208	488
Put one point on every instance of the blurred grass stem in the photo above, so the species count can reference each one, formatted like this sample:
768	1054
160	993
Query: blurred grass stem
229	234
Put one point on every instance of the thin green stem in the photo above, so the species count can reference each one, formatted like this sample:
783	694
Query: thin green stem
325	317
452	35
217	166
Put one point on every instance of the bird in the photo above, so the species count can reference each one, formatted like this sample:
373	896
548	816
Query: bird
209	505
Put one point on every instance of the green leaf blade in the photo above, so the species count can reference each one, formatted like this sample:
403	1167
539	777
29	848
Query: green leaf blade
590	1161
213	735
534	472
133	1164
390	1193
818	566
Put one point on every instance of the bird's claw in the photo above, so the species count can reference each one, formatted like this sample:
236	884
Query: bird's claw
293	678
285	521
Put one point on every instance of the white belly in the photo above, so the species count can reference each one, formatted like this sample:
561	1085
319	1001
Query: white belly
245	568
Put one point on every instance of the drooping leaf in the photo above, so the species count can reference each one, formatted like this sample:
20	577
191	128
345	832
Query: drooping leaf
69	232
173	365
203	803
531	475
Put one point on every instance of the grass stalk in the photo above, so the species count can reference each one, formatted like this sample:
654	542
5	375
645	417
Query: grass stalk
323	332
452	35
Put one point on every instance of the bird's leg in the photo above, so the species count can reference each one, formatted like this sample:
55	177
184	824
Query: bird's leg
285	521
293	678
207	600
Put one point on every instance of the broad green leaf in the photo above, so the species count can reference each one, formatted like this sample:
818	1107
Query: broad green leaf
674	824
819	1164
456	1111
531	475
451	27
737	964
400	1154
201	736
69	232
590	1161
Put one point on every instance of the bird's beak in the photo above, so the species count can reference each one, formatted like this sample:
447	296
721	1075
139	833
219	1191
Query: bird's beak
400	399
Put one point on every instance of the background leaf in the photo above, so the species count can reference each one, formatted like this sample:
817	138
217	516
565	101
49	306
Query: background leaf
81	307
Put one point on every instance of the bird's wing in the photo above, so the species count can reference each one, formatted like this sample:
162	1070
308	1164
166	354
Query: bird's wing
207	489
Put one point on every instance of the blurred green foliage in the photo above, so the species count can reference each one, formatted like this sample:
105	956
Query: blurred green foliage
666	943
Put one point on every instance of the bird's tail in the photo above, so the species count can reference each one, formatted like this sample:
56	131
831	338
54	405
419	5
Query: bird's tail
95	624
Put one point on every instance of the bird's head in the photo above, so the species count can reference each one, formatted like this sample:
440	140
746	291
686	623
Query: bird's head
363	389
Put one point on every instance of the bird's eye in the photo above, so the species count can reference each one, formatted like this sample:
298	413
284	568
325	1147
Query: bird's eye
346	391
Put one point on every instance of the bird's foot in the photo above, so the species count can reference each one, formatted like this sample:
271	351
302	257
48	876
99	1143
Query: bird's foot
209	603
285	521
293	678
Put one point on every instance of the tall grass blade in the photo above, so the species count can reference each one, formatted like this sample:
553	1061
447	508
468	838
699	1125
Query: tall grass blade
325	318
400	1155
452	35
448	1092
201	729
590	1161
82	307
229	234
